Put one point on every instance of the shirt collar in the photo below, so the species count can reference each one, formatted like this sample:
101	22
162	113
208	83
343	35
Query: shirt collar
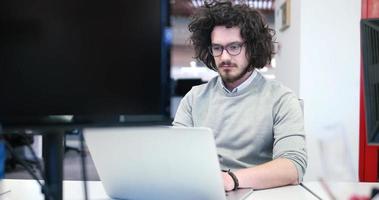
242	86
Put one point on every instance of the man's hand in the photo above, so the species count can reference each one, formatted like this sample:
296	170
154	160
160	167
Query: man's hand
228	181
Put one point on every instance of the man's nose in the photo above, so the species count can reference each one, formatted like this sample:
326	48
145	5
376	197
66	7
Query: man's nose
225	55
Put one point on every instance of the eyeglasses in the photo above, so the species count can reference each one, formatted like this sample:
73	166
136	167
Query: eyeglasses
233	49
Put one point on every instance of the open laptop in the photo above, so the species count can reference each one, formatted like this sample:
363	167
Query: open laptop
158	163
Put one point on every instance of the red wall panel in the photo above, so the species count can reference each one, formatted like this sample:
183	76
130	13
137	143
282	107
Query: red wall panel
368	155
373	9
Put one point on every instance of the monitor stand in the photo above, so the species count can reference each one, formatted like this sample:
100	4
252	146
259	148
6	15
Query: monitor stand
53	163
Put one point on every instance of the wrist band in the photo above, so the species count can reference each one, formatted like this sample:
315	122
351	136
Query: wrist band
234	177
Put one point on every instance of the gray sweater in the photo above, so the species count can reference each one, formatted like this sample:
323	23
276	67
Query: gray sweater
261	122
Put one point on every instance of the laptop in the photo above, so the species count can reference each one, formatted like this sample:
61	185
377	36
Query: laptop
158	163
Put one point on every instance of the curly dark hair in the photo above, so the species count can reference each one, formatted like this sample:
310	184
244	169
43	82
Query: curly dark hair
254	30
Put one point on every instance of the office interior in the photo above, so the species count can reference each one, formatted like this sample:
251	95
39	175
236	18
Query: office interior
318	60
318	56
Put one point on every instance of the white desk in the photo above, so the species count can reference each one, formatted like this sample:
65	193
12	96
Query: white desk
294	192
73	190
342	190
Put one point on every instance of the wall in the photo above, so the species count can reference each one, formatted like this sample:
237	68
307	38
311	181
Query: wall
288	48
323	41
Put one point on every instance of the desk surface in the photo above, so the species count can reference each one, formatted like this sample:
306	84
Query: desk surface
73	190
342	190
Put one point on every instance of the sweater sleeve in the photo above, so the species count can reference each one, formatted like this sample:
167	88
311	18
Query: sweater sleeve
289	134
183	116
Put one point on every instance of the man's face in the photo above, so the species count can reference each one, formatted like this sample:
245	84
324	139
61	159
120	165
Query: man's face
232	68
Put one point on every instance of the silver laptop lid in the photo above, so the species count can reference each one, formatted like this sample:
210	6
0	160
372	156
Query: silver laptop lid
156	162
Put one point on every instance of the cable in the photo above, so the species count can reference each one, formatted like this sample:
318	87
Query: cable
310	191
327	189
44	189
38	164
34	155
83	164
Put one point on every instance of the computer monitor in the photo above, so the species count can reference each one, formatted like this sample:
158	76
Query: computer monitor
370	55
78	63
83	62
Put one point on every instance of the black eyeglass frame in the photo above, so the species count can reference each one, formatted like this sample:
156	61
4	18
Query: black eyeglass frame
240	45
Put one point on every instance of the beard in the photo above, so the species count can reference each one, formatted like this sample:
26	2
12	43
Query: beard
234	74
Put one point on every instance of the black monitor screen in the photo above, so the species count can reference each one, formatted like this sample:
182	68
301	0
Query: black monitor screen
91	59
370	54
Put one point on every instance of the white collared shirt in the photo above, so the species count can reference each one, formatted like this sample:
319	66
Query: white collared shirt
242	85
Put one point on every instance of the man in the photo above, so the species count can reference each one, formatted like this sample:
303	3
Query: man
258	123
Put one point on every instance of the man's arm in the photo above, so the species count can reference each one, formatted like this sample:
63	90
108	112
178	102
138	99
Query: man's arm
289	151
183	116
274	173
